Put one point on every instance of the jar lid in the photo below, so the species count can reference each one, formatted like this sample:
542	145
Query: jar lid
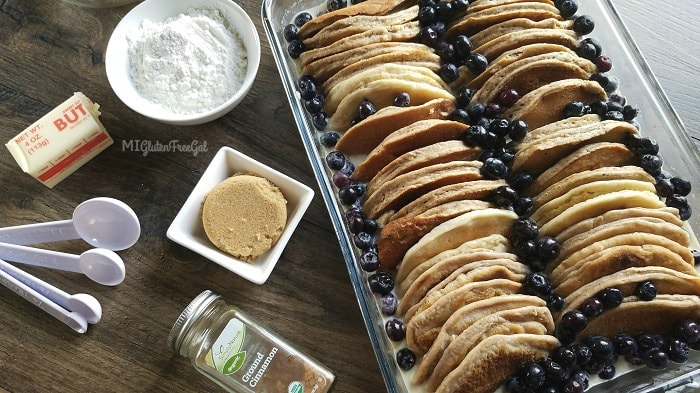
188	317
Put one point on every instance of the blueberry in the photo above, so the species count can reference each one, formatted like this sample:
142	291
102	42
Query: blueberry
645	342
302	18
537	283
584	24
445	50
356	223
369	261
610	297
290	32
360	188
591	307
395	329
500	127
460	115
587	50
460	5
536	265
614	106
405	358
402	99
581	376
553	371
476	135
329	139
333	5
463	46
476	110
647	146
678	351
449	72
335	160
574	109
573	321
320	120
525	249
464	95
681	187
341	179
427	15
548	248
677	201
315	104
601	346
520	180
518	130
565	356
555	302
532	375
603	63
444	10
688	331
428	36
646	290
594	366
526	229
307	87
295	49
611	85
568	8
508	97
366	108
428	3
651	163
515	385
608	372
629	112
523	207
389	303
492	109
656	360
572	386
696	257
614	115
600	108
494	169
664	188
381	283
439	27
347	195
477	63
593	43
370	226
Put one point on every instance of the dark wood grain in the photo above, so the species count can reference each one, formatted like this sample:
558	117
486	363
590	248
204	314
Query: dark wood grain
48	50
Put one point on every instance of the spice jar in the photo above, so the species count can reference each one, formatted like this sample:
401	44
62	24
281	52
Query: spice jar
234	351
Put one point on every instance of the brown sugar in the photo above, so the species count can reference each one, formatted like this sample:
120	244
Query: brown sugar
244	216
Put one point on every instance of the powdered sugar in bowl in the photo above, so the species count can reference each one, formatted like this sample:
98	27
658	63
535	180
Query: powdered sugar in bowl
183	62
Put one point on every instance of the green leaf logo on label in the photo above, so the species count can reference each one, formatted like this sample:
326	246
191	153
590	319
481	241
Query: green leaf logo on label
295	387
234	363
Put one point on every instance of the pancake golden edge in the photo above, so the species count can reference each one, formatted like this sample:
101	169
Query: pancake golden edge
497	47
368	7
474	22
517	24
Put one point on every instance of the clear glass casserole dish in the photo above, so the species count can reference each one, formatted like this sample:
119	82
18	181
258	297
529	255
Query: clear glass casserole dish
657	119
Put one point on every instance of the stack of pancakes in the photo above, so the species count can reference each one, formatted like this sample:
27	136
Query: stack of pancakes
468	316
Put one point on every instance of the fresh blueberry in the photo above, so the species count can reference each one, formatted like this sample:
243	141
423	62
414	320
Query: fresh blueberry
525	229
537	283
295	49
555	302
427	15
335	160
320	121
656	360
330	138
341	179
369	261
428	36
347	195
532	375
581	376
366	109
515	385
548	248
518	130
591	307
370	226
302	18
307	87
523	207
573	321
574	109
405	358
460	5
444	10
614	115
681	187
463	46
389	303
587	50
629	112
610	297
608	371
520	180
584	24
601	346
565	356
647	146
568	8
664	187
477	63
492	109
625	345
290	32
508	97
553	371
688	331
381	283
402	99
395	329
525	249
597	49
460	115
603	63
646	290
315	104
476	110
464	95
445	50
494	169
333	5
500	127
449	72
363	240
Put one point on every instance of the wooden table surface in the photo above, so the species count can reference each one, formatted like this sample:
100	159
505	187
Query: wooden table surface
48	50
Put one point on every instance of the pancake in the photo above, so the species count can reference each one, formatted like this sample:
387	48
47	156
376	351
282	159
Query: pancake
517	24
584	192
394	33
424	297
494	360
652	225
498	46
382	93
357	24
616	258
411	137
531	73
387	71
666	281
454	232
388	52
546	104
539	134
494	246
668	214
368	7
538	157
441	152
658	316
473	22
604	156
398	236
424	327
366	135
405	188
479	5
599	205
476	81
437	364
477	189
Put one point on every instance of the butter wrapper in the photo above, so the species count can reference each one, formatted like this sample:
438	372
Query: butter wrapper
61	141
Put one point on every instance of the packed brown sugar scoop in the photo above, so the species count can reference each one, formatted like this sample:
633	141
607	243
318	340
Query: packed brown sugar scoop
469	226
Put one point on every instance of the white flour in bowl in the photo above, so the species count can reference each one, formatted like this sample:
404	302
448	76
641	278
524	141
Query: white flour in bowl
187	64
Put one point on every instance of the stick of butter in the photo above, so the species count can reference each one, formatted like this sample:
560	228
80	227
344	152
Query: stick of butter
61	141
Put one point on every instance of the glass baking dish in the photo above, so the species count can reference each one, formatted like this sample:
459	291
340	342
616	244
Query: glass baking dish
657	119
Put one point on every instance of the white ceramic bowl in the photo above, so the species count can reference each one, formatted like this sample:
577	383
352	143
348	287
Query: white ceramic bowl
187	229
117	58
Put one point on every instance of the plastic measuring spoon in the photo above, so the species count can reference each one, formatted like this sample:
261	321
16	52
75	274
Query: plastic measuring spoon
76	321
81	303
102	222
100	265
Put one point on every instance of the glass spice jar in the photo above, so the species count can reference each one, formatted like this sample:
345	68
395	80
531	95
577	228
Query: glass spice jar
234	351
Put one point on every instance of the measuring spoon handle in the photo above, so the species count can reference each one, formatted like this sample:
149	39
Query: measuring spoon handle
76	321
47	290
44	232
40	257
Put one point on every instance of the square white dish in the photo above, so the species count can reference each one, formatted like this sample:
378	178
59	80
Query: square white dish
188	231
